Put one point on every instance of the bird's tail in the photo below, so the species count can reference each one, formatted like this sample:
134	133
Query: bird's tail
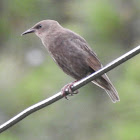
106	84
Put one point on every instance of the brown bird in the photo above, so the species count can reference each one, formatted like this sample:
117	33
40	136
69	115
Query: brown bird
72	53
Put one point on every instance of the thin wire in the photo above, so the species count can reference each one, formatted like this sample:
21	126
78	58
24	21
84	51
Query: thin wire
75	86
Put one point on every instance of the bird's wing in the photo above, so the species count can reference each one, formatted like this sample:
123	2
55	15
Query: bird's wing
95	64
91	57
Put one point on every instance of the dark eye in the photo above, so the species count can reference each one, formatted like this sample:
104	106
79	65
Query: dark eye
39	26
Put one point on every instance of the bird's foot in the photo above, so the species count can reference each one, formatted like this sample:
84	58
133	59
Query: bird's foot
67	88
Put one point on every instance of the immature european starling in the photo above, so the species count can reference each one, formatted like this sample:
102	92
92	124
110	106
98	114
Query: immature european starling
72	53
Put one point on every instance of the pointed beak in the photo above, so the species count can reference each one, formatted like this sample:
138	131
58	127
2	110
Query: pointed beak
28	31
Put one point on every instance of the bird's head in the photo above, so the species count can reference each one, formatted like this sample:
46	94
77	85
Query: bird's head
42	27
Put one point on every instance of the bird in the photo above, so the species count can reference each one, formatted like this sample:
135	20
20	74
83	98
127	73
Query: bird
72	53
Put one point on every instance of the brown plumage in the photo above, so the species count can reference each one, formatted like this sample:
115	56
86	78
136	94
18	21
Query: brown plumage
72	53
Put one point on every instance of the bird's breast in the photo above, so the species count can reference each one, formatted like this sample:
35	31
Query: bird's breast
71	61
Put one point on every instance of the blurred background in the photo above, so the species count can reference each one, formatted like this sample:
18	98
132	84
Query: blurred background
29	75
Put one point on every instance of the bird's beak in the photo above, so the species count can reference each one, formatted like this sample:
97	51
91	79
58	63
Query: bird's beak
28	31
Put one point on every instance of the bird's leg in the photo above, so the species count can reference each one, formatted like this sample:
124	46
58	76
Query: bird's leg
67	88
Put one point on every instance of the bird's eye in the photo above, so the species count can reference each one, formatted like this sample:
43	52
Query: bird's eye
38	26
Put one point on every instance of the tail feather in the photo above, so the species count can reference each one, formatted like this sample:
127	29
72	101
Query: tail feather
106	84
113	94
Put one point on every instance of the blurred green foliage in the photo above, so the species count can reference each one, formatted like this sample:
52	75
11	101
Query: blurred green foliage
28	74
